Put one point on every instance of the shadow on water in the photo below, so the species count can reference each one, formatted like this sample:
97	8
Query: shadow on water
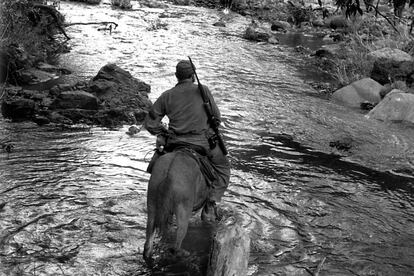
331	162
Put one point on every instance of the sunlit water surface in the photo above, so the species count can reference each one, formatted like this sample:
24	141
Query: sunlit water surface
73	201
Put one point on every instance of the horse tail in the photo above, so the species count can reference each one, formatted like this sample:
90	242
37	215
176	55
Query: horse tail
164	206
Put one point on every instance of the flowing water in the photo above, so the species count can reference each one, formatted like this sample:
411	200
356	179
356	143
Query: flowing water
73	201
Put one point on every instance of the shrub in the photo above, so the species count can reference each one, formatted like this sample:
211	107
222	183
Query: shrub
27	34
366	35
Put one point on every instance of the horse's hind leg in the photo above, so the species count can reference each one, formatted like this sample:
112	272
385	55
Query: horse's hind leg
183	214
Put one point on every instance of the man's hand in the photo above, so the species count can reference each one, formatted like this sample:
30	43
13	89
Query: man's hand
160	142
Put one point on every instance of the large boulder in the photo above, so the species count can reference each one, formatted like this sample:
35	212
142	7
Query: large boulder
358	92
112	98
391	64
396	106
117	88
75	99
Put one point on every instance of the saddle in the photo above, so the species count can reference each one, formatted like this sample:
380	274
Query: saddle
198	153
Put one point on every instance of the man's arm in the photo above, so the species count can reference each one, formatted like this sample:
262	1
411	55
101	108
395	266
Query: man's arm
153	119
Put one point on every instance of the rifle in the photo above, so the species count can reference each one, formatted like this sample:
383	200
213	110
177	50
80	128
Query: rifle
211	118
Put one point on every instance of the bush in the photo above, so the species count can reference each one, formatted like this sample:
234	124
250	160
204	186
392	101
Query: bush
366	35
27	35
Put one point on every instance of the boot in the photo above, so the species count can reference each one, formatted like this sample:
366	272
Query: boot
209	212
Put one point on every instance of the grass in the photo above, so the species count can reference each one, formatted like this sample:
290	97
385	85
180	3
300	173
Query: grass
365	36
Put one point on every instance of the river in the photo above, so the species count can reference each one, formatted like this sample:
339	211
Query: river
73	201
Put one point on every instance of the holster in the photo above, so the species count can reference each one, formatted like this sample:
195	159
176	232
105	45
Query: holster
154	159
212	141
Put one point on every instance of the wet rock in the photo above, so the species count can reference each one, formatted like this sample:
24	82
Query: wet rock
361	91
117	88
57	118
18	109
132	130
33	94
52	69
391	64
328	51
2	204
367	106
41	120
75	99
230	250
101	86
280	26
113	97
256	33
396	106
33	75
77	115
220	24
323	53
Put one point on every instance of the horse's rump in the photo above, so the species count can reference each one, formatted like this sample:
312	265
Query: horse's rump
176	180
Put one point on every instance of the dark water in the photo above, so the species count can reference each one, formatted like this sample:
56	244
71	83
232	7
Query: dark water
73	201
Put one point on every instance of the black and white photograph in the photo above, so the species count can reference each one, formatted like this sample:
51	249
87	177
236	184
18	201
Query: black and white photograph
206	137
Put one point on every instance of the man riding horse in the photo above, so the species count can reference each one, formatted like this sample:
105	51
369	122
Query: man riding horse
190	125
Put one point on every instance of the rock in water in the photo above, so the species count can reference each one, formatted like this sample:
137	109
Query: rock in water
396	106
230	250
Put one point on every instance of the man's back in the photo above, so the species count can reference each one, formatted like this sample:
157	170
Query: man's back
184	108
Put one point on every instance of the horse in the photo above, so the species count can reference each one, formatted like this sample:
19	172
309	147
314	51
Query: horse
176	187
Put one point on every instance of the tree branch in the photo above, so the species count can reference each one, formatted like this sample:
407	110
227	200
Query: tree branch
386	18
91	23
